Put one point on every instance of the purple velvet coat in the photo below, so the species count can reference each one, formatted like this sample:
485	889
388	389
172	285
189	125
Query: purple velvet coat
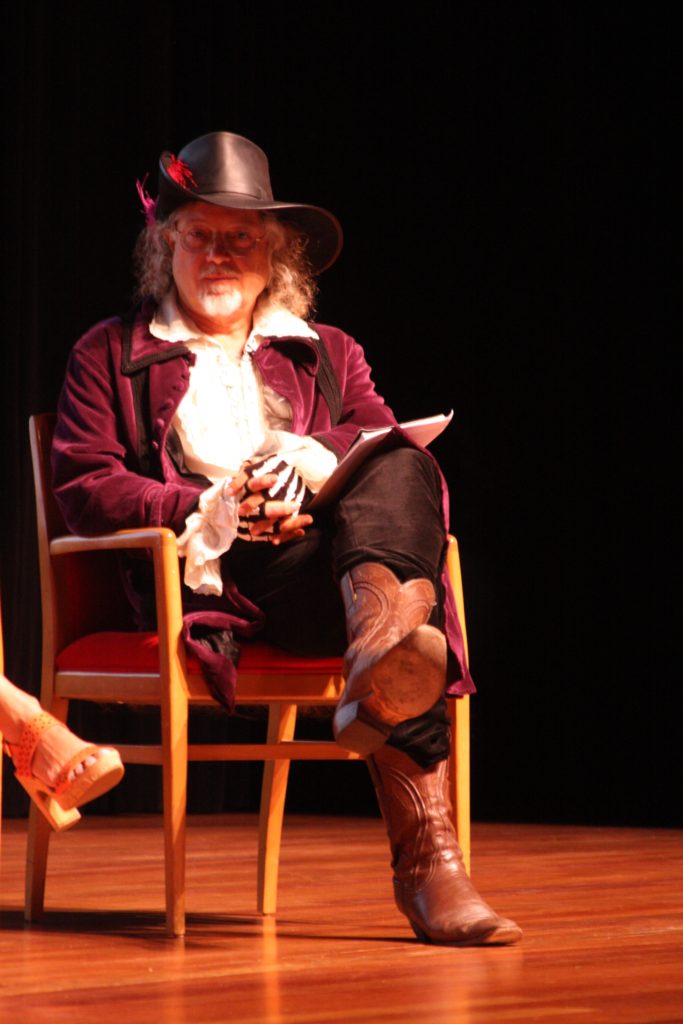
99	480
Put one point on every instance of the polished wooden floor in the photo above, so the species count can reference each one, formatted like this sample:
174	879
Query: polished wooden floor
602	911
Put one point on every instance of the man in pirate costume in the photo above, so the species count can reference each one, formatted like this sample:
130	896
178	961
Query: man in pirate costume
217	408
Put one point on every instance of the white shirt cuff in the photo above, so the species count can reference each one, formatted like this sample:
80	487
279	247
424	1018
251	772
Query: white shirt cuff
209	533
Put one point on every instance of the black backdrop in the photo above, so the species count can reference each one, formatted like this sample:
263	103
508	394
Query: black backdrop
500	170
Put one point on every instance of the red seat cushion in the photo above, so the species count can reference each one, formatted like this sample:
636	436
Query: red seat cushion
138	652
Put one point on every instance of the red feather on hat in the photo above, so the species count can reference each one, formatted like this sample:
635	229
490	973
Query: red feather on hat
180	172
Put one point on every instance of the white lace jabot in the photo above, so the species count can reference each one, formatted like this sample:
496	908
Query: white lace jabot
227	416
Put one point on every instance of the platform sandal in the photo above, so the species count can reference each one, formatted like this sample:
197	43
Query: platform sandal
60	803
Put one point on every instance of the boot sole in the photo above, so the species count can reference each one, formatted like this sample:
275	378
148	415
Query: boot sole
505	934
405	683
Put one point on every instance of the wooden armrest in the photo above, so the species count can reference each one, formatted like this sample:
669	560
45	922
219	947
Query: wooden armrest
152	537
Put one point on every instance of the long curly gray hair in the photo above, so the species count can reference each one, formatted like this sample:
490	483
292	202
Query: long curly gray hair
291	286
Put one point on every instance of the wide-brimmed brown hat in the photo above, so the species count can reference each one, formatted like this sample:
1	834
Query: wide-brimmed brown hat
228	170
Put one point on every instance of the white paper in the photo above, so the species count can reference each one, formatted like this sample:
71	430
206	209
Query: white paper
422	432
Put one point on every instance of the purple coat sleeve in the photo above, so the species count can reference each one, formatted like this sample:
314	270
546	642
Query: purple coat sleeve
95	477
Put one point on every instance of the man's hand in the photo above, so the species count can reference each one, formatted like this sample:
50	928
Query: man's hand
270	493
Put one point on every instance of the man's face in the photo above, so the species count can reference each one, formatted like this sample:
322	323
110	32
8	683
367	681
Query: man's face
219	283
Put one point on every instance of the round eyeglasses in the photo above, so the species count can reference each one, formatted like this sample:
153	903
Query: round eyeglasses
197	239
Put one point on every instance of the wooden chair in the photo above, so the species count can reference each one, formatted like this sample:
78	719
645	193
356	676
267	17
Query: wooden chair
82	605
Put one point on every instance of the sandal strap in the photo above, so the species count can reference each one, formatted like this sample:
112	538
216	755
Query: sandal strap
23	751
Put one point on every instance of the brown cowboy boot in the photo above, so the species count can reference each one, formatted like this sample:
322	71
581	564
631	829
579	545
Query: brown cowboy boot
395	664
431	885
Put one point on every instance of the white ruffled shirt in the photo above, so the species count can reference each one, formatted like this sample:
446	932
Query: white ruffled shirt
227	416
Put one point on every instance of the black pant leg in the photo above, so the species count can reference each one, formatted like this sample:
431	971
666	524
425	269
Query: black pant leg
390	512
293	585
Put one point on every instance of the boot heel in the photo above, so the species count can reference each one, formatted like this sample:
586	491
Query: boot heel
355	732
419	933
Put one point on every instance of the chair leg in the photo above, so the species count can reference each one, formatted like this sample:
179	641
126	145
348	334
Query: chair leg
460	776
174	767
460	741
39	832
37	847
281	725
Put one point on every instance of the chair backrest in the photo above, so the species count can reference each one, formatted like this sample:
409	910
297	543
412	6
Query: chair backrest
79	595
50	519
